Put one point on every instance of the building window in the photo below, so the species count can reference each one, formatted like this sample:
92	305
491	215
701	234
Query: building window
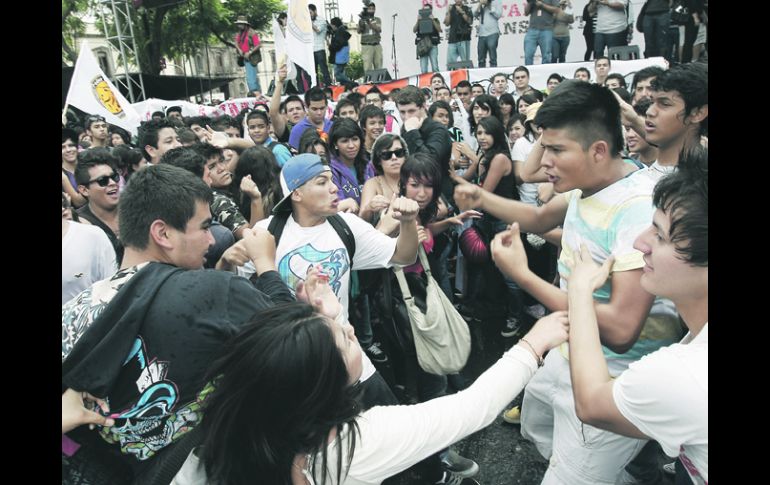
104	62
220	63
198	64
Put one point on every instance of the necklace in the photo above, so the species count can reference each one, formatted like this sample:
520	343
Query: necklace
394	191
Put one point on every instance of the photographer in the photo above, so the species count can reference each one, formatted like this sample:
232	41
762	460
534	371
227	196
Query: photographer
488	13
339	49
427	42
459	19
370	28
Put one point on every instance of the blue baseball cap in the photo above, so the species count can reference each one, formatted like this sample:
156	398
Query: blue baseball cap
296	172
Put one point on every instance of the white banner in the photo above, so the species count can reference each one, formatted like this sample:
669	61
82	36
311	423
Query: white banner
299	37
93	92
231	107
510	49
281	53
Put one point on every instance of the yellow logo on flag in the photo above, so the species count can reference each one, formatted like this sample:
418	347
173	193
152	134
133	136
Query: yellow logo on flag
106	97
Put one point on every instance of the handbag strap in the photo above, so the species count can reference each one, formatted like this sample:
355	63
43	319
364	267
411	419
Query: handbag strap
399	272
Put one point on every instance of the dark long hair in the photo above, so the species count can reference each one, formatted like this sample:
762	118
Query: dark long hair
260	163
279	388
494	127
486	101
347	128
423	167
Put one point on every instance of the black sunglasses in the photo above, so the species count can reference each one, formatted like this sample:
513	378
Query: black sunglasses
104	180
387	154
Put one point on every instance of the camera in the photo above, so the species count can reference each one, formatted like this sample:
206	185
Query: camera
365	14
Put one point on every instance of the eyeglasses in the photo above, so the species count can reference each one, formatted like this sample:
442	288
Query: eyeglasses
104	180
387	154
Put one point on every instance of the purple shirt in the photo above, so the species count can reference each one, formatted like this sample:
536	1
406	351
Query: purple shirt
346	180
299	129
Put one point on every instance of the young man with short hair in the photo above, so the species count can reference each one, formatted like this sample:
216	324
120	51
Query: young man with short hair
284	115
477	89
499	84
347	108
582	74
174	112
96	127
602	69
615	80
602	206
156	138
97	177
463	91
198	126
144	338
443	94
520	82
316	102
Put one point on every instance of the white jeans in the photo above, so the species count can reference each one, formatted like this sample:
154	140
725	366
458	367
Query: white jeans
579	454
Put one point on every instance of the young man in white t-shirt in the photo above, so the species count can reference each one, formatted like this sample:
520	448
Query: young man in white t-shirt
663	396
308	239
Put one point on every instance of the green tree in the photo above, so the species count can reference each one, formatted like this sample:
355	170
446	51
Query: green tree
72	26
355	67
183	29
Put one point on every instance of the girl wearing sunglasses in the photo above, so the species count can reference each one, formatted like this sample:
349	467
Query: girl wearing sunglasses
388	154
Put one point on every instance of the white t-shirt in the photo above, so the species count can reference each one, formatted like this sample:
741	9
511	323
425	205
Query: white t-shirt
665	395
519	154
303	247
87	256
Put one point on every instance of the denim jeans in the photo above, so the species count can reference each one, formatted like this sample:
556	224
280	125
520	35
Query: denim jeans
534	38
488	44
559	49
655	33
339	73
433	56
608	40
455	50
252	78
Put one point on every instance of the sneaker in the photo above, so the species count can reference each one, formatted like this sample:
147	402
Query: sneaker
459	465
511	327
513	415
670	468
451	478
536	311
376	354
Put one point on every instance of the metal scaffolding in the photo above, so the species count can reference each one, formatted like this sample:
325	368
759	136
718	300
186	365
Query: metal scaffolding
331	9
124	38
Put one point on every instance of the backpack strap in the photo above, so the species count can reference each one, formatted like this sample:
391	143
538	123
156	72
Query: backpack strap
277	223
344	232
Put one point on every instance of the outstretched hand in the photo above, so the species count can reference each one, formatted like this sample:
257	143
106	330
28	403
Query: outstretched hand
585	273
467	195
508	253
548	332
316	291
404	209
217	138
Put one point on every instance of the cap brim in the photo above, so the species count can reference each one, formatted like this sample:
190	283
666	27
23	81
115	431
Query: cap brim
283	206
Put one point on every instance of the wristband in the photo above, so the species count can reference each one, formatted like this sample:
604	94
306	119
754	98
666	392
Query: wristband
537	356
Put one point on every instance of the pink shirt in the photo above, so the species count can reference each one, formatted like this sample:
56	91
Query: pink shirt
242	40
428	246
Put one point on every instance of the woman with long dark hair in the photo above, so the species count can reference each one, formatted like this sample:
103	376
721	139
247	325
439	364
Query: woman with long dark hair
280	407
256	183
388	155
348	163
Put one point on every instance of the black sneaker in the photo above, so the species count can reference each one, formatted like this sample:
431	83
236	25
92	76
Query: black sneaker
511	328
458	465
376	354
451	478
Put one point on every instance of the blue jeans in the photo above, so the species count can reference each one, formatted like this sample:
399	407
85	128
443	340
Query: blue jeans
252	79
534	38
608	40
455	50
655	33
488	44
559	49
339	73
433	56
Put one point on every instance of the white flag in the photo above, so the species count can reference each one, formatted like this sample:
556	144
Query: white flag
281	53
299	37
93	92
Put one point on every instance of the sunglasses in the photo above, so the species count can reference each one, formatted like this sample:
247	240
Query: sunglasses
104	180
387	154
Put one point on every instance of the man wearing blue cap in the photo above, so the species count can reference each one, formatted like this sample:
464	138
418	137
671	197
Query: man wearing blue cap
308	238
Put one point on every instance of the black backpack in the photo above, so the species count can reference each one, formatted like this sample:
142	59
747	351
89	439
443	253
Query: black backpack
338	223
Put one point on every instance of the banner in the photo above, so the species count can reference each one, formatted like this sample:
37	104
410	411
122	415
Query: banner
399	17
281	53
93	92
231	107
299	37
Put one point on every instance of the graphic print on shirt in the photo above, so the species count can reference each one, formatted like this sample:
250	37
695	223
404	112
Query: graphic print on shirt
294	265
151	423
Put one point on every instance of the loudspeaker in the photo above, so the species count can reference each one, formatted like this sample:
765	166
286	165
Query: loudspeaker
453	66
377	76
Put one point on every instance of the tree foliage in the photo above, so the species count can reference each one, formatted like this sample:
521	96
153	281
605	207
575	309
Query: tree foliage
184	29
355	67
